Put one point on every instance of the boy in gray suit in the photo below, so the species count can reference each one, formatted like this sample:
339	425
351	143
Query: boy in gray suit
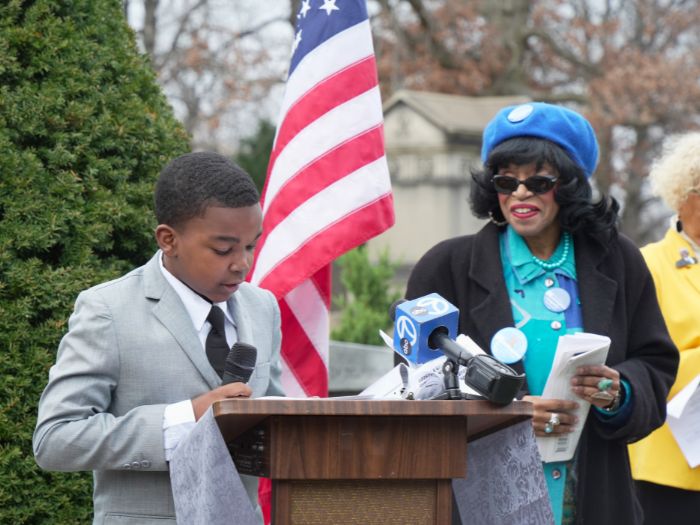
136	369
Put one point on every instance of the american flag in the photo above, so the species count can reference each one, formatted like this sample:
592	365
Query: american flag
327	188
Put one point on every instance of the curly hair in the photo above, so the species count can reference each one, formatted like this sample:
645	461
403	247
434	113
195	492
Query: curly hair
677	171
191	183
577	211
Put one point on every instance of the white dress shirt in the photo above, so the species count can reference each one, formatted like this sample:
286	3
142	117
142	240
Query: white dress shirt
178	418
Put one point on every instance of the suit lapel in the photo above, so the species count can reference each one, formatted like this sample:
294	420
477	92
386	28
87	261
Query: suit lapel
170	311
240	317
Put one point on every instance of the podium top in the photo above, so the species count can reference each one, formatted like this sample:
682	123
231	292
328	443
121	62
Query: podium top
234	416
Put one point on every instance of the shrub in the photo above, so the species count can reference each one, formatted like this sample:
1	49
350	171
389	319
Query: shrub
84	131
368	296
254	152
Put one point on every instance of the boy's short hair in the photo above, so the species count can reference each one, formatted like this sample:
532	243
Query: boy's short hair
191	183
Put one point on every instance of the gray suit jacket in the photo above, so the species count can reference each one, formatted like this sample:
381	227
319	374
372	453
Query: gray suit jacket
131	350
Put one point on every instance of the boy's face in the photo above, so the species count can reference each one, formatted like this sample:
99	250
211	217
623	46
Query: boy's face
212	254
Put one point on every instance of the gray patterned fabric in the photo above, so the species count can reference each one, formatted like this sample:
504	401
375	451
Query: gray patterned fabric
207	489
505	483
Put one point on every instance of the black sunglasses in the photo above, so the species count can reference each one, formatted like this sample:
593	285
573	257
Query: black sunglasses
536	184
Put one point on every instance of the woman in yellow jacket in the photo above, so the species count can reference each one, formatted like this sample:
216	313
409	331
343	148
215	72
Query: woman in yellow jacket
669	489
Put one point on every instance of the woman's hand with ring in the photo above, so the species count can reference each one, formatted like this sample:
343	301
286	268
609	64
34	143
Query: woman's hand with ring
552	417
597	384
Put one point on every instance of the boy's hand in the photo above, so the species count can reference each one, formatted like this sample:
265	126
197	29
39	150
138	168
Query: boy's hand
202	403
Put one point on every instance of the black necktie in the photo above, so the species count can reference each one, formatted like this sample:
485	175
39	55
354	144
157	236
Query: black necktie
216	347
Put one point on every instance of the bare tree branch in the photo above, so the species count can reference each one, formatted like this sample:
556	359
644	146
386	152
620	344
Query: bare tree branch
437	49
180	31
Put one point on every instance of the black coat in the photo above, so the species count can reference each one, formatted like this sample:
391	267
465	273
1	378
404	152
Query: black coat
618	299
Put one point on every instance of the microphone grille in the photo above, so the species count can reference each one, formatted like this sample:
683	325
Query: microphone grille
242	354
403	371
240	363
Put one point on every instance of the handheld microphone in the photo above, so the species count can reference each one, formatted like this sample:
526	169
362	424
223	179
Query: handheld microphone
240	363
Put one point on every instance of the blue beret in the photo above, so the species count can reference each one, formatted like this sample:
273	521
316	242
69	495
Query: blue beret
557	124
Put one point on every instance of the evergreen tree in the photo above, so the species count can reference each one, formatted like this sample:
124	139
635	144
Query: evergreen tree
84	131
254	152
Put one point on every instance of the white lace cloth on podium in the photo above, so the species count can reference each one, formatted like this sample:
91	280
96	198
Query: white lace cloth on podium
505	483
207	489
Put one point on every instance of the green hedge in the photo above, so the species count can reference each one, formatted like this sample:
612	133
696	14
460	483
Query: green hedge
367	297
84	131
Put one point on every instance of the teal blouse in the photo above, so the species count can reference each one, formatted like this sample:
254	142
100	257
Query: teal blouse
527	283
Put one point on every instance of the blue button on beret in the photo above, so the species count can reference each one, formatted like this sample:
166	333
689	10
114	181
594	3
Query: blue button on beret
557	124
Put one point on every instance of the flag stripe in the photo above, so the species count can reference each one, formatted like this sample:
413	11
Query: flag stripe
305	365
331	92
322	280
344	49
331	243
310	310
290	383
353	192
329	131
338	163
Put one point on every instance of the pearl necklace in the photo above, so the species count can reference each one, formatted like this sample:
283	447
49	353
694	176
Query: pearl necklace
558	262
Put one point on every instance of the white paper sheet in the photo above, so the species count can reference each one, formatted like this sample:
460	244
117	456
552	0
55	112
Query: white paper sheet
424	381
572	351
683	416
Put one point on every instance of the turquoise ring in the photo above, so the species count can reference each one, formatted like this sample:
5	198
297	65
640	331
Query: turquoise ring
605	384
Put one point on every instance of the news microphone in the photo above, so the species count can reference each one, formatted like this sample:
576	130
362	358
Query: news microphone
428	324
494	380
240	363
415	320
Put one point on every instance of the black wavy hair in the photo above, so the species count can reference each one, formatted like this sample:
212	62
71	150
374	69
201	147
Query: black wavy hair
577	211
191	183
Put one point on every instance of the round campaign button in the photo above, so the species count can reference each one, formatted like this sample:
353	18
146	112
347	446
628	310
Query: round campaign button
509	345
557	299
520	113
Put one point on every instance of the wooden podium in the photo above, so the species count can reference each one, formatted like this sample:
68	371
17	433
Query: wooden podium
358	461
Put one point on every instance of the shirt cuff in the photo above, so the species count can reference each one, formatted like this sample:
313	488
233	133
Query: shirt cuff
178	421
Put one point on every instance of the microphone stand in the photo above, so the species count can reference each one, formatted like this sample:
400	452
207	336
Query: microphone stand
450	370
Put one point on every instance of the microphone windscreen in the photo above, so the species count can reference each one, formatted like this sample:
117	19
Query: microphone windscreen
403	371
392	308
240	363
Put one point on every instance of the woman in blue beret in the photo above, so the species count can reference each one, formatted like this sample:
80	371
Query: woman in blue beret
551	262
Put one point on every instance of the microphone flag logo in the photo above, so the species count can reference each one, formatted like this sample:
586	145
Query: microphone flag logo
434	305
407	333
